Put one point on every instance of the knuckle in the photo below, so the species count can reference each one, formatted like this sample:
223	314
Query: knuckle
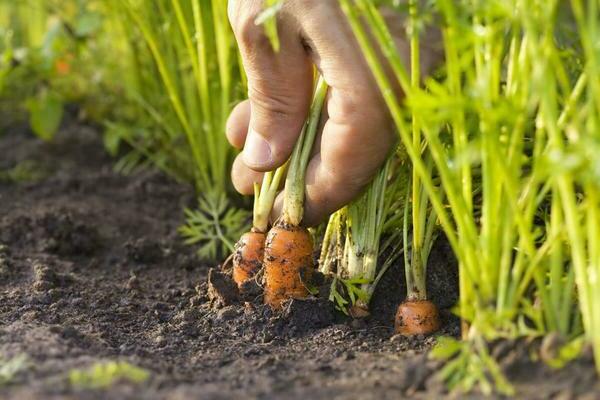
311	4
249	35
272	103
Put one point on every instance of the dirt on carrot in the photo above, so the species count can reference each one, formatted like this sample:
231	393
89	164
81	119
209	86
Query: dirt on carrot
288	264
248	256
419	317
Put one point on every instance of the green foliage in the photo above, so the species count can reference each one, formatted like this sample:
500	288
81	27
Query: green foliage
45	114
354	240
345	293
566	353
10	368
215	226
51	54
508	126
105	374
25	171
181	77
469	365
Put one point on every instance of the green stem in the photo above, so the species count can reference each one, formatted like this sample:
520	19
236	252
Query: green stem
293	201
264	198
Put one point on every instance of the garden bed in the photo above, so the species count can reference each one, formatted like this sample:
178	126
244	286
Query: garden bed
92	270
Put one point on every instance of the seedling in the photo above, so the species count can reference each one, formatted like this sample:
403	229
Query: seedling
353	242
9	369
250	249
105	374
289	246
417	315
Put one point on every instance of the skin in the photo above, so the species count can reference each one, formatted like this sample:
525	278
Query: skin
357	134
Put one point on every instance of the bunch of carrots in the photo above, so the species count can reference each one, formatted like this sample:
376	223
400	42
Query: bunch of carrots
285	252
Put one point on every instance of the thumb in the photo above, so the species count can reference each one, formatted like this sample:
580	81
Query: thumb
279	86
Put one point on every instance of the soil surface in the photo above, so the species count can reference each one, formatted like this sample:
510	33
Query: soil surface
92	270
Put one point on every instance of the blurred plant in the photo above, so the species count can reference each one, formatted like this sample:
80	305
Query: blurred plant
50	55
178	86
11	367
105	374
25	171
469	365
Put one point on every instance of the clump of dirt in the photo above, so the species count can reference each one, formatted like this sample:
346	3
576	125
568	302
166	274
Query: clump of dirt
222	290
92	269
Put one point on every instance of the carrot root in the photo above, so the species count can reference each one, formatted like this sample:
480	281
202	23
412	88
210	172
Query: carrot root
248	256
420	317
288	260
359	310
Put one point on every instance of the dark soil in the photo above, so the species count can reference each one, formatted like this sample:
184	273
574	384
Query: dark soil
92	270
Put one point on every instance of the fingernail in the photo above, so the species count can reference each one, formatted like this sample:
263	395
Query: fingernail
257	151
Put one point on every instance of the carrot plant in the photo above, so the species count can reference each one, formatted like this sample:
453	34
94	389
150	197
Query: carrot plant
250	249
572	129
505	107
355	238
288	259
417	315
180	38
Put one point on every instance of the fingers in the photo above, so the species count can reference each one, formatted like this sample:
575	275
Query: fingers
243	178
237	124
350	155
279	87
358	135
353	146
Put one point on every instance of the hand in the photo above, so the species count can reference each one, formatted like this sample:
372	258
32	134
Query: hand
357	133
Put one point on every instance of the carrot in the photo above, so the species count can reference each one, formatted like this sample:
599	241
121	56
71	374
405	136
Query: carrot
289	247
249	253
415	317
288	261
250	249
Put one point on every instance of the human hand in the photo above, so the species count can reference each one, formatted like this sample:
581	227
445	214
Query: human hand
357	132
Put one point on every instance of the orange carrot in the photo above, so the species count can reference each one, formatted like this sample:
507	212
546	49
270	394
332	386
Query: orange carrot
248	257
289	248
416	317
288	260
417	314
249	250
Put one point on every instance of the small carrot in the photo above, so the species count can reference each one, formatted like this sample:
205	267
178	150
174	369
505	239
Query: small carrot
248	256
250	249
289	247
415	317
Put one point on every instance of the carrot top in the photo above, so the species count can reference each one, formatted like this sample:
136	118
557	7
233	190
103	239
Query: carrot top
264	197
293	203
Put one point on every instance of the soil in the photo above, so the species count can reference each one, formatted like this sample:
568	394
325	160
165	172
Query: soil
92	270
